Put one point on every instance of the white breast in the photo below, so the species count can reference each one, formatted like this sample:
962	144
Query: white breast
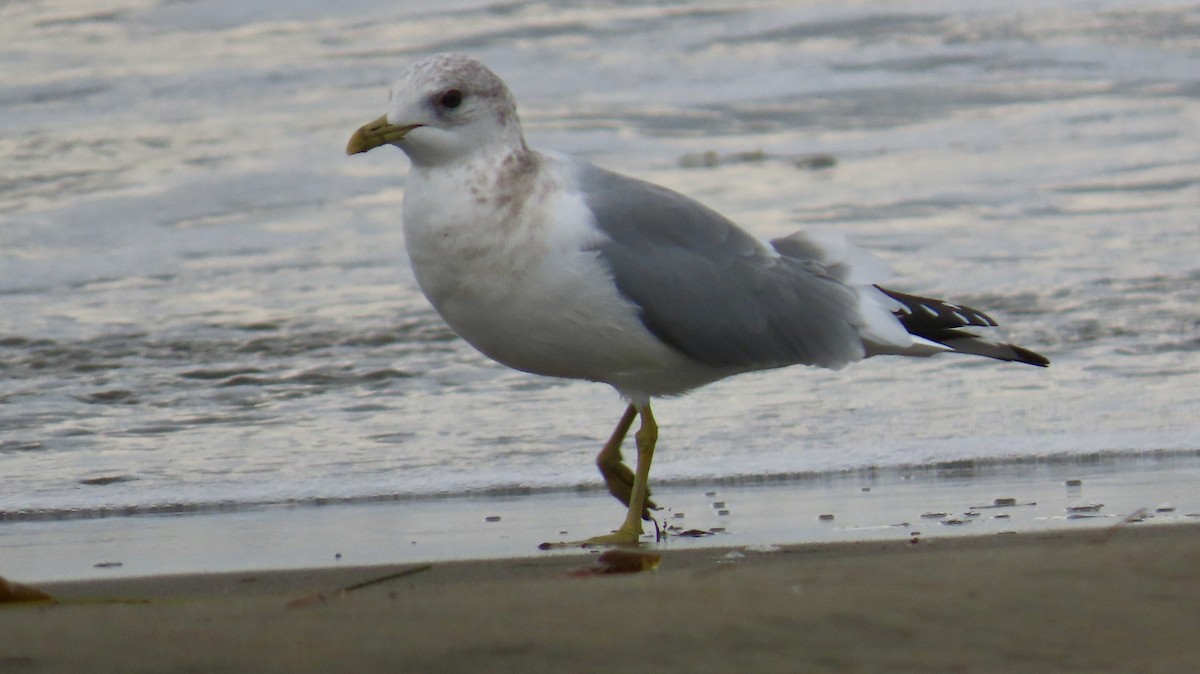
523	284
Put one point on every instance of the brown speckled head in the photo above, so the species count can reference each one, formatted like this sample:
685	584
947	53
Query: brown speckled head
450	106
458	71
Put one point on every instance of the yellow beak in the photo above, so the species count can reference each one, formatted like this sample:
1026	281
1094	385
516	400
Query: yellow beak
373	134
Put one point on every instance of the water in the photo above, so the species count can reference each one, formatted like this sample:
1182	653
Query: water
205	304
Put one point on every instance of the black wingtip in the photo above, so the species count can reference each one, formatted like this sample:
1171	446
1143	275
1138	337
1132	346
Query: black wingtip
1032	358
940	321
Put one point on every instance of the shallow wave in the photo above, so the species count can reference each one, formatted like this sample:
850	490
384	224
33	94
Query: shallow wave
984	467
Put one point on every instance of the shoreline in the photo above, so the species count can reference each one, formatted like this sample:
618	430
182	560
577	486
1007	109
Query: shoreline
945	502
1115	600
1088	577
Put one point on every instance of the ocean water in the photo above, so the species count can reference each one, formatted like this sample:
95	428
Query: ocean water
205	305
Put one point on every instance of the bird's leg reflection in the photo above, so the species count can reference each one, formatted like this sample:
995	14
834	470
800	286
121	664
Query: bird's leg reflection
617	476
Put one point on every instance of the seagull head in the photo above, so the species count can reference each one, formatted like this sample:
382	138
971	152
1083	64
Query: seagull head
443	109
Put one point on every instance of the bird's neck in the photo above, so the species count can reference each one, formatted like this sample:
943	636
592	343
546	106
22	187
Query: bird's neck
475	206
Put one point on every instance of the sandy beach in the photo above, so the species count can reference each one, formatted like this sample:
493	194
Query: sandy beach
1074	566
1118	599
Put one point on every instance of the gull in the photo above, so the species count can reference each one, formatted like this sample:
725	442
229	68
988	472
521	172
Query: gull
551	265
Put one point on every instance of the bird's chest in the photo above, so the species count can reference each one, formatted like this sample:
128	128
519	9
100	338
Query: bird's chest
518	281
470	253
523	281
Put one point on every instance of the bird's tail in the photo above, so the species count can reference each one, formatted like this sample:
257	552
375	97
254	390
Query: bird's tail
941	326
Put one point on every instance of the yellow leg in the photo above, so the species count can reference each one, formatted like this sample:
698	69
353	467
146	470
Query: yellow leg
629	486
631	528
617	476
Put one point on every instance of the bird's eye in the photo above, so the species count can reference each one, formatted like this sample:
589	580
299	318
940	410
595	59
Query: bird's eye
450	99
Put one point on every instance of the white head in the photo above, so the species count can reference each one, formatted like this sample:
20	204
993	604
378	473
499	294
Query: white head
445	108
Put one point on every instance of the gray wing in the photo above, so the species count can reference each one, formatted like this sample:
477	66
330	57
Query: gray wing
711	290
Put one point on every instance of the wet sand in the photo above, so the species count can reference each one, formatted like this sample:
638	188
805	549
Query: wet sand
1112	599
933	502
1059	567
